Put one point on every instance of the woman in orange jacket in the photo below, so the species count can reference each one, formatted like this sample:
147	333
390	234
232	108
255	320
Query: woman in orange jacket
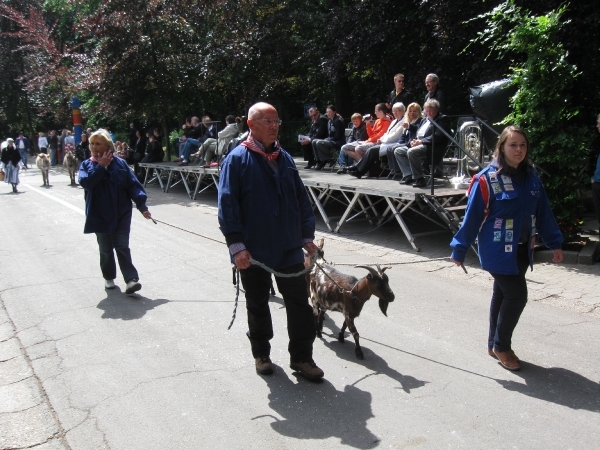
356	150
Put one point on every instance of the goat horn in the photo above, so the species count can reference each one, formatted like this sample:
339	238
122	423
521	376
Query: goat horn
382	270
370	269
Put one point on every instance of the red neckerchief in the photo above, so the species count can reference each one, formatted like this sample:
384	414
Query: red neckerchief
253	145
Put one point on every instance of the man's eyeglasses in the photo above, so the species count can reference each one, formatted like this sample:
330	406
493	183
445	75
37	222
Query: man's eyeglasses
312	116
270	123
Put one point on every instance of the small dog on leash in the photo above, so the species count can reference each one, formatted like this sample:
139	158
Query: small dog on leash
70	164
43	163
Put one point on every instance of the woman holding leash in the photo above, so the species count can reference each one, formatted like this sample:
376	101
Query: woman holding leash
507	208
11	163
110	186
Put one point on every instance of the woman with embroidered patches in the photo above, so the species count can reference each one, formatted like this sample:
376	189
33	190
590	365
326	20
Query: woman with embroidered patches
507	208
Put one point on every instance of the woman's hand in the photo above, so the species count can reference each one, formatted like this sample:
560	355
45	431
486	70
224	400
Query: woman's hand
558	255
458	263
105	159
147	214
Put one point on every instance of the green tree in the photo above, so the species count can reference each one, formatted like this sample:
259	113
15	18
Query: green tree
543	104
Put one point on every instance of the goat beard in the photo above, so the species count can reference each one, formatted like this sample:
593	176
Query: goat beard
383	305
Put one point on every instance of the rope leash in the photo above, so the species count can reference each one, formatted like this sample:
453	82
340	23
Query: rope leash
236	277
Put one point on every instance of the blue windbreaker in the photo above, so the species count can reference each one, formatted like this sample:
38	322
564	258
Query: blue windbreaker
269	212
108	196
499	221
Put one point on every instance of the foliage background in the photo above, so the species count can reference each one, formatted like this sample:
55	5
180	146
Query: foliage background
153	62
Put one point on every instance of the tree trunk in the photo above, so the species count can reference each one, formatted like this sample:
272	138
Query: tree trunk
343	96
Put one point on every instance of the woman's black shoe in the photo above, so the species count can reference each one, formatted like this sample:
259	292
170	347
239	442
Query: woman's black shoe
356	174
320	165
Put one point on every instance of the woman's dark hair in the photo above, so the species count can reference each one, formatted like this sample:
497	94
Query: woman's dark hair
382	107
331	107
499	150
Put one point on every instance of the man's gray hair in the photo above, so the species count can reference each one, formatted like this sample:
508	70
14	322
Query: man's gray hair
434	78
399	106
432	103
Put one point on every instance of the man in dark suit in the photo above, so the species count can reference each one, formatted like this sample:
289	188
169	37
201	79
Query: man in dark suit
432	83
410	158
399	94
318	130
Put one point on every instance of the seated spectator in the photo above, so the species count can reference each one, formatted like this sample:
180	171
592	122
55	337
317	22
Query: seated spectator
410	157
399	94
357	149
357	133
432	83
190	140
324	148
154	150
414	117
318	130
209	131
379	150
210	145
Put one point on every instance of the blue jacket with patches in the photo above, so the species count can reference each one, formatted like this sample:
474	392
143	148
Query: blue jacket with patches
268	211
498	211
108	196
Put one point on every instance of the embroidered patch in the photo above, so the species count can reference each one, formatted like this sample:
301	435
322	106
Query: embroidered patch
493	176
497	236
509	187
498	223
507	248
509	236
509	224
506	179
496	188
535	193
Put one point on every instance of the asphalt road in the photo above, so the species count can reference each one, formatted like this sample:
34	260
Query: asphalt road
85	368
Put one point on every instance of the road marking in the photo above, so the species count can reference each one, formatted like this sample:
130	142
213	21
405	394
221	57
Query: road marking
58	200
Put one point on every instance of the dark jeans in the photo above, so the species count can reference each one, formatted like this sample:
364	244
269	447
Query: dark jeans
596	199
509	298
300	321
120	243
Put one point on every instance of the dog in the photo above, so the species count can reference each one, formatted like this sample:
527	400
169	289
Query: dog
70	164
43	163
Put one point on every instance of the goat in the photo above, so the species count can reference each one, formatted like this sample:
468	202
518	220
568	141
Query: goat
43	163
325	294
70	164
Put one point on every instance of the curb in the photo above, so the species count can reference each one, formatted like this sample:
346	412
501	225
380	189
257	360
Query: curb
586	256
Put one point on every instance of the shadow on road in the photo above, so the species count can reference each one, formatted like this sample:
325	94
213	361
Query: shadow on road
319	411
372	361
117	305
556	385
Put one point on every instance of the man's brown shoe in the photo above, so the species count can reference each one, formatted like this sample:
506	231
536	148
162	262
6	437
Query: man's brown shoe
508	359
308	369
493	355
263	364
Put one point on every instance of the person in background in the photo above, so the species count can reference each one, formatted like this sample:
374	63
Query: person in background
432	84
323	148
357	149
399	94
595	171
318	130
53	147
506	210
110	188
22	144
43	143
358	133
10	164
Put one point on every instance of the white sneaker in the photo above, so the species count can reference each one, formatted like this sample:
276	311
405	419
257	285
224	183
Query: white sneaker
109	284
133	286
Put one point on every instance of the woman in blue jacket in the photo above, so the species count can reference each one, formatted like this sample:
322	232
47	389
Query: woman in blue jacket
507	207
110	186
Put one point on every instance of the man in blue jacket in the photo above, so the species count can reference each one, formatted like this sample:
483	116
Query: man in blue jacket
265	215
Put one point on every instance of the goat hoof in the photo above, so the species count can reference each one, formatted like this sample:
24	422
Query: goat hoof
319	334
341	337
359	354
